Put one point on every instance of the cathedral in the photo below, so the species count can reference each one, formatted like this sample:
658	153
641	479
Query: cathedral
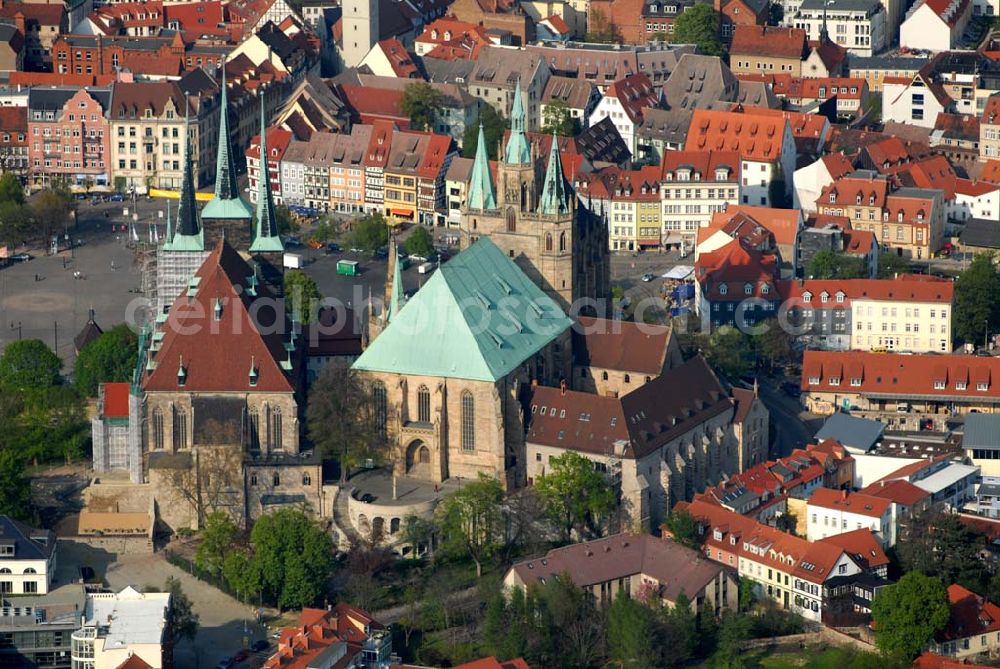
533	216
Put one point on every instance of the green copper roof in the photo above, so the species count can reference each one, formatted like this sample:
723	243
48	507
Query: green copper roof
478	317
555	196
188	234
227	203
265	237
481	193
517	152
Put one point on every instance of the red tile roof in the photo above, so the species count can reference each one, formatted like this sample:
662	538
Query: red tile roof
45	14
116	400
134	662
950	11
218	355
772	543
14	120
370	103
769	41
862	545
971	615
845	191
316	630
899	491
859	242
991	112
634	92
837	165
856	502
557	22
920	288
753	135
893	375
736	265
620	345
133	98
399	59
703	163
493	663
782	223
991	171
932	661
56	79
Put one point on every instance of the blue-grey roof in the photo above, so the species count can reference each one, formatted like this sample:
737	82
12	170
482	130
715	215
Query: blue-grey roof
982	431
854	433
29	543
842	5
908	63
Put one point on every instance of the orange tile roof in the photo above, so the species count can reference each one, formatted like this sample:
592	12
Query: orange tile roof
856	502
837	165
116	400
904	288
899	491
752	135
634	92
991	112
399	59
971	615
950	11
845	191
705	163
893	375
738	265
932	661
782	223
493	663
991	171
770	41
862	545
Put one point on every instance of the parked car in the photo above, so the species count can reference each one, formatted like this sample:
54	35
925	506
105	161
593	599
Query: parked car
117	197
259	645
224	663
647	277
367	498
333	248
292	241
22	257
241	655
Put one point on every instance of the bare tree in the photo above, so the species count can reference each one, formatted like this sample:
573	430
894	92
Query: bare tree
213	482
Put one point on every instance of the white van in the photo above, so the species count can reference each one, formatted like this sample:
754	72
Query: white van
425	268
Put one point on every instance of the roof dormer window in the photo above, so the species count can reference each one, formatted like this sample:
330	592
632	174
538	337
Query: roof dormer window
807	297
748	289
833	196
254	372
824	297
723	289
181	373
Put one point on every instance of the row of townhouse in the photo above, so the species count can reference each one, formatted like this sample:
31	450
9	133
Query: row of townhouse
799	575
373	168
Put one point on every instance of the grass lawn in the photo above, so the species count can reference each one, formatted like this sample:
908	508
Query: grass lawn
812	657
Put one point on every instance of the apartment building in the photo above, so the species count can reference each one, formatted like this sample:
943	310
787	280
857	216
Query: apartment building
14	141
832	512
786	569
937	25
874	69
768	50
499	70
989	129
27	558
631	201
917	391
623	102
694	185
764	143
121	625
347	171
69	136
278	140
859	26
148	133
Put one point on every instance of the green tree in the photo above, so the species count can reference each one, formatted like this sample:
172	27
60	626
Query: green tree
683	528
15	488
630	633
977	301
109	358
343	420
51	211
29	363
908	613
567	629
471	520
891	264
15	222
830	265
217	537
241	573
419	532
420	243
494	126
558	118
699	25
422	103
302	295
286	222
11	189
184	621
677	633
940	544
786	522
293	557
734	629
774	345
727	350
370	233
574	495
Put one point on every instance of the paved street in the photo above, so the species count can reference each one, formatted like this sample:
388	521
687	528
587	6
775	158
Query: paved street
793	426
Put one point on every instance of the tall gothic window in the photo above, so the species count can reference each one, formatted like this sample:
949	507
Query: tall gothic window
381	408
253	429
562	241
423	404
468	422
511	220
276	429
180	429
158	429
548	242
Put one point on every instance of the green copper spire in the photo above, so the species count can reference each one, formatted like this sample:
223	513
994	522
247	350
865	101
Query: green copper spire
188	235
227	203
265	238
481	193
518	152
555	195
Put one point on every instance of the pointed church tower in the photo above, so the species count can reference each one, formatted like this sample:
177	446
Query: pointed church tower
395	297
265	238
555	192
188	234
518	151
183	251
227	214
482	196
